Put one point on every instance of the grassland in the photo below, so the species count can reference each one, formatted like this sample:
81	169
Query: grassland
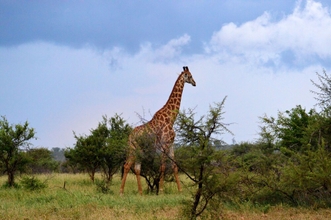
80	199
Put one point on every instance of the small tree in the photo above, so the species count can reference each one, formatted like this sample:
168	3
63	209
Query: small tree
14	140
86	153
103	149
113	152
198	157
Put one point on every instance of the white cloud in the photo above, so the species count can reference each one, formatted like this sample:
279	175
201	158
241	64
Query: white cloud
163	53
306	33
173	48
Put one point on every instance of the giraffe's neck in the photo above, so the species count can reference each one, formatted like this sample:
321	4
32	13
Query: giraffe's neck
170	110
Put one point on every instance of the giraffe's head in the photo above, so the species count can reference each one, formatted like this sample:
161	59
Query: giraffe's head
188	76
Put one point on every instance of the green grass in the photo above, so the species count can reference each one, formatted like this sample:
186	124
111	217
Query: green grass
81	200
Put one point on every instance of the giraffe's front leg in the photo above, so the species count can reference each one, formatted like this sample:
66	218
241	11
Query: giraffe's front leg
175	169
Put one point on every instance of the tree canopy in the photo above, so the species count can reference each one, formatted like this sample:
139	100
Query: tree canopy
103	149
14	141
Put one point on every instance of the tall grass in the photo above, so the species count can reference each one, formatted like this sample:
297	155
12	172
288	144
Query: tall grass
80	199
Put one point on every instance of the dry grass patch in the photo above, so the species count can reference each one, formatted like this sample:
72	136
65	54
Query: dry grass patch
279	213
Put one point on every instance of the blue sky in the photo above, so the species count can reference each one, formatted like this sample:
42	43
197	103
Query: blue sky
64	64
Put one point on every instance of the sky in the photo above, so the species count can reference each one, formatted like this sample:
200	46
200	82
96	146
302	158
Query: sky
65	64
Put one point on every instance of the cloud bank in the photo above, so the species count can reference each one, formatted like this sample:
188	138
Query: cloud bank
304	34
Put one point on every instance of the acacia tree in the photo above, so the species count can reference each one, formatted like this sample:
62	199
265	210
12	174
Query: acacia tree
198	157
150	155
14	140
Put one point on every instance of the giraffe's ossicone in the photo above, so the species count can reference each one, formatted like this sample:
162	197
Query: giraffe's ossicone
159	131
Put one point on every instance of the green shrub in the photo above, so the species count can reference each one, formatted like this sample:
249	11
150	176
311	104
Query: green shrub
6	185
32	183
103	186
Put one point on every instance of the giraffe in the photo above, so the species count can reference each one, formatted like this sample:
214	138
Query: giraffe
161	128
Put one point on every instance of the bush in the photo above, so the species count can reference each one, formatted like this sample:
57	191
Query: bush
103	186
32	183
